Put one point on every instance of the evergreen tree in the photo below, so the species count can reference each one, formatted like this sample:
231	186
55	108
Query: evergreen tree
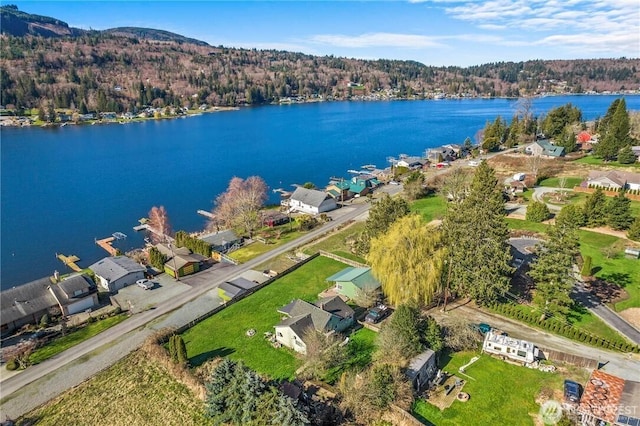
626	155
181	350
615	132
619	212
537	211
634	230
551	271
403	335
571	215
433	335
595	209
559	118
567	139
476	234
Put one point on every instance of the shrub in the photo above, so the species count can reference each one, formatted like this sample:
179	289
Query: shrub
586	267
44	321
537	211
12	365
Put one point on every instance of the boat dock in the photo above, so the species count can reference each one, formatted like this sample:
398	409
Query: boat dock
70	261
206	214
141	227
105	243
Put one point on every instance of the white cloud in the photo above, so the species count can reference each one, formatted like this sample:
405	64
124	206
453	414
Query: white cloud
407	41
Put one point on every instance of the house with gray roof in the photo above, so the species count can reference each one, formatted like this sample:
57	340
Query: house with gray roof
117	272
235	288
327	315
311	201
422	368
27	303
613	179
221	241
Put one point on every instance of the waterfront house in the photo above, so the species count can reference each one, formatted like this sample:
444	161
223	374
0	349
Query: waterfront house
440	154
339	190
328	315
544	148
311	201
362	185
422	369
411	162
613	180
115	273
222	241
508	347
181	265
273	218
351	281
27	303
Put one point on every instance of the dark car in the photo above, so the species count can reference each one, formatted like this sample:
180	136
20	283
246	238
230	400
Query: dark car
484	328
377	314
572	391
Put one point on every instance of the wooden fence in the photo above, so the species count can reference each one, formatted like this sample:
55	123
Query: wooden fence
343	259
576	360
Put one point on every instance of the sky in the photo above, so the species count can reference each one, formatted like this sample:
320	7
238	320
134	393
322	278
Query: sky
434	32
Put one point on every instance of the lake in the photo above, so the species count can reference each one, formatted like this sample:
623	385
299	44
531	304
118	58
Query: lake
62	188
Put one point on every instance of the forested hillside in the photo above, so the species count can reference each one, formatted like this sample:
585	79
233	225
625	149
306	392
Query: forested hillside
45	61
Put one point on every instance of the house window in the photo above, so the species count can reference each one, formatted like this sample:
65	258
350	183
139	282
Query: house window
497	348
339	286
523	354
298	343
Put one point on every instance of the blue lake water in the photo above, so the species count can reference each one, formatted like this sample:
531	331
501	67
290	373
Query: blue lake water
64	187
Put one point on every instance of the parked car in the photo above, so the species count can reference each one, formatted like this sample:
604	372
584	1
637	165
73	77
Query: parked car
484	328
572	391
377	314
145	284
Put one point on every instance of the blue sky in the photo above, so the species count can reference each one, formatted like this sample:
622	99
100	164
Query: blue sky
434	32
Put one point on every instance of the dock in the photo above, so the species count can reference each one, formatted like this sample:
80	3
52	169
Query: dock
105	243
206	214
141	227
70	261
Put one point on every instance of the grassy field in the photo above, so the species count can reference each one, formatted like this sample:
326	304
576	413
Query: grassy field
555	182
430	208
65	342
591	160
337	242
133	392
224	334
501	393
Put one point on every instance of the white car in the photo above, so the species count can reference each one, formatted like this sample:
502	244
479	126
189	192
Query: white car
145	284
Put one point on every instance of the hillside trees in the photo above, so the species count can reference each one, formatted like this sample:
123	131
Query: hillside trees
614	129
408	260
494	134
618	211
239	206
556	121
475	231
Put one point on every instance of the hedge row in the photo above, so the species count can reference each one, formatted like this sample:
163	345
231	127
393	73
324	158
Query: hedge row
628	191
510	310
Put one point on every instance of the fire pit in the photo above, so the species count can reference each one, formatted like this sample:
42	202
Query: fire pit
462	396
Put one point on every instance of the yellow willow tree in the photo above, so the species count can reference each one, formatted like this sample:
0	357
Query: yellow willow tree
409	260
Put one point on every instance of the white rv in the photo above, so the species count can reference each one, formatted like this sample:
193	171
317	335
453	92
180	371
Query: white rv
514	349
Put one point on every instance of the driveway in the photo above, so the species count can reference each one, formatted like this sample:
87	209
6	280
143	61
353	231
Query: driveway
538	195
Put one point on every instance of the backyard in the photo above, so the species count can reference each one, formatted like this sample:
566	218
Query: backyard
498	391
224	334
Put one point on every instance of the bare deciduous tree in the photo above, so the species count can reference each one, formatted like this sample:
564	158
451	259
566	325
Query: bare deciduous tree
367	297
461	336
238	207
534	162
455	185
159	222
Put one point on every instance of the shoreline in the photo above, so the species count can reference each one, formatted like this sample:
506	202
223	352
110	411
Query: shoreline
25	121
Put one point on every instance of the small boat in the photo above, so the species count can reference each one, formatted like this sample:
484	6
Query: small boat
368	166
119	235
355	172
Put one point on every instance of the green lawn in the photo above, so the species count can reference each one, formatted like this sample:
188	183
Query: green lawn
501	393
591	160
430	208
65	342
555	182
337	242
224	334
257	248
360	349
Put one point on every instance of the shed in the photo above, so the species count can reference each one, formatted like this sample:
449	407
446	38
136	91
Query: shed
184	264
422	369
632	253
352	280
228	291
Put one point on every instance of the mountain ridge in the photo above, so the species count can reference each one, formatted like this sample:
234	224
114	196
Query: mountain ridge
45	62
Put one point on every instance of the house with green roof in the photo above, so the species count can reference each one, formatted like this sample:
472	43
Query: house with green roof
350	281
543	147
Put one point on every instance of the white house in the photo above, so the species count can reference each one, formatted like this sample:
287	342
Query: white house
614	179
514	349
115	273
311	201
327	315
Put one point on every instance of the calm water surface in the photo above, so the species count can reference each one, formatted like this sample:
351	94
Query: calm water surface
62	188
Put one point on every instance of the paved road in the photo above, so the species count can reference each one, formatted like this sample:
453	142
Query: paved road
593	304
618	364
40	383
538	194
